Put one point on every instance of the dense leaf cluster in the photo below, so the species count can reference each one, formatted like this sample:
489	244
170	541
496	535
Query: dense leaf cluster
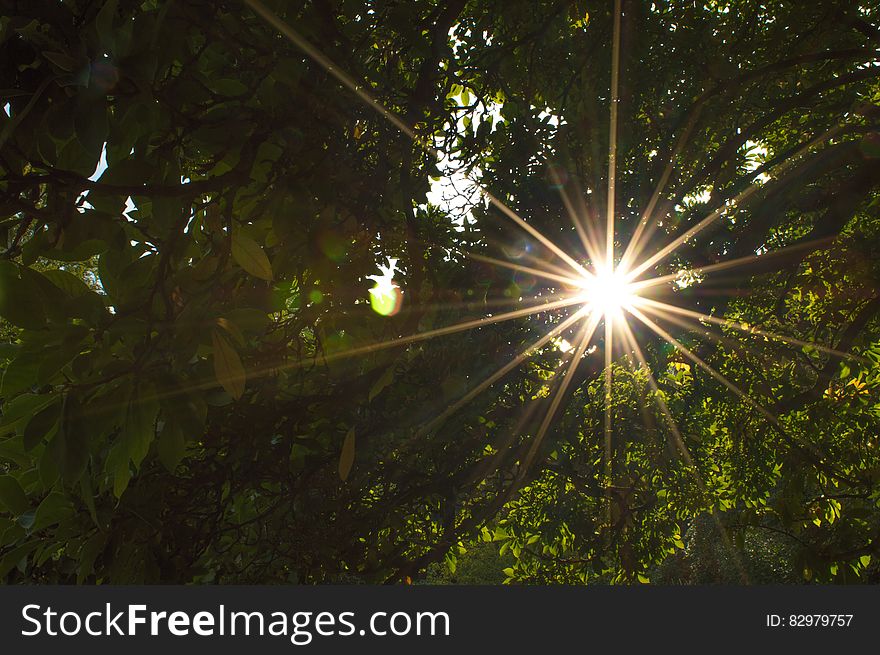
189	210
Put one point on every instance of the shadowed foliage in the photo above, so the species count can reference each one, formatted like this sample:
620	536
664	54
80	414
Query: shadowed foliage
190	208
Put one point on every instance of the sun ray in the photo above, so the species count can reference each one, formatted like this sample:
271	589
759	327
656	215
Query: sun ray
604	293
569	281
556	250
629	337
704	331
647	223
507	368
550	266
257	372
684	350
785	251
743	195
438	332
370	100
809	450
656	306
680	444
322	60
587	239
588	330
612	137
699	329
609	379
608	263
460	305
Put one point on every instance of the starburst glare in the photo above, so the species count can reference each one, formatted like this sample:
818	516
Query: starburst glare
603	290
608	291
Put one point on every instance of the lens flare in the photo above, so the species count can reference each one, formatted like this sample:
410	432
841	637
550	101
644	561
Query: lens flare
605	293
608	292
386	297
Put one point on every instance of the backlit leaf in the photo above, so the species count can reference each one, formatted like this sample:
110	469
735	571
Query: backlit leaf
228	368
346	457
251	257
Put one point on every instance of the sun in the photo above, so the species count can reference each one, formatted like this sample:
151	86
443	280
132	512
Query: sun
609	292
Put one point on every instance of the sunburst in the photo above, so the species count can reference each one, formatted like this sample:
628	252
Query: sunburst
600	290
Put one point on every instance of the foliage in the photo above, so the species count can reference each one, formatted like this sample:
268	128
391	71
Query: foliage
176	403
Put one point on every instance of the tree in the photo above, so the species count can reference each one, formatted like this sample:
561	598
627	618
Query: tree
197	386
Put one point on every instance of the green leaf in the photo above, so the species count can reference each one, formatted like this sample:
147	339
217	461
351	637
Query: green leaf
229	87
12	496
88	496
228	368
90	122
26	520
189	410
13	557
56	357
20	374
42	425
139	428
384	380
62	60
250	256
298	454
249	319
89	552
172	445
22	407
451	562
582	21
232	330
51	461
346	457
104	23
11	532
118	465
55	508
67	282
134	439
20	299
75	430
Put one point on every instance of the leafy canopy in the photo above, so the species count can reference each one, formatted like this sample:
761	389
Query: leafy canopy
190	208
